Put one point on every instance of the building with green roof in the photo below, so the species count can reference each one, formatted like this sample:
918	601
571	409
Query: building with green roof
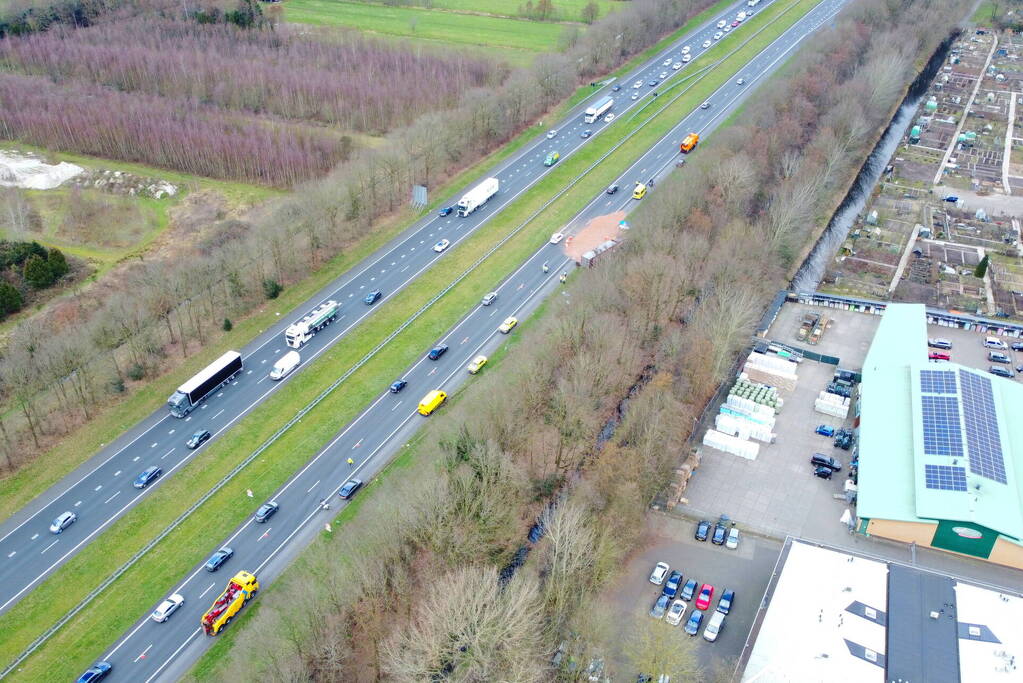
939	448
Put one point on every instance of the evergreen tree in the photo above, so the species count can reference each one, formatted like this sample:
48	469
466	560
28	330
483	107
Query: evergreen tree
37	272
981	268
10	299
57	263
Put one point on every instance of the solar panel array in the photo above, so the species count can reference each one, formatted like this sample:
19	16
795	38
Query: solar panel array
945	477
942	433
938	381
983	440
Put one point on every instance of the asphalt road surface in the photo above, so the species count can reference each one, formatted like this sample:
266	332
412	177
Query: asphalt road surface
100	491
164	651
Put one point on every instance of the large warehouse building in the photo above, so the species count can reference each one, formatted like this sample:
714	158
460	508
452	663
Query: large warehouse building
940	448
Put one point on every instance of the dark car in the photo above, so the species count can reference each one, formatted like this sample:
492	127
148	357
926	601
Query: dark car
996	357
266	511
720	532
660	607
372	297
952	199
612	189
843	439
616	88
1016	346
725	602
96	672
198	438
823	472
147	477
652	82
1000	371
586	133
437	351
702	529
671	585
398	386
349	489
821	460
219	558
688	590
693	625
446	211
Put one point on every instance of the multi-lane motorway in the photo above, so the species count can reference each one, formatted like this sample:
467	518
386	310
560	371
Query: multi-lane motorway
100	491
164	651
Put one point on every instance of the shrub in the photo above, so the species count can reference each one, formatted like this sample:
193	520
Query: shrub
227	326
272	288
11	300
136	372
37	272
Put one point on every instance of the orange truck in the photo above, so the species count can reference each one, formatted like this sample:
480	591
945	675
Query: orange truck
688	143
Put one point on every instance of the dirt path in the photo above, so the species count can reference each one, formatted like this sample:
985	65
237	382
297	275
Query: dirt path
596	231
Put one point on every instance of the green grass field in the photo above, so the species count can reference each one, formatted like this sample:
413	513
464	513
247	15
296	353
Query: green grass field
430	25
97	626
565	10
985	14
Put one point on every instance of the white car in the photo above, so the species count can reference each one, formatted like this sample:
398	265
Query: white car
722	23
663	75
740	17
685	50
717	36
706	44
741	81
557	237
551	134
726	29
666	62
609	118
167	608
675	612
637	84
686	58
705	105
733	539
635	95
659	573
676	66
441	246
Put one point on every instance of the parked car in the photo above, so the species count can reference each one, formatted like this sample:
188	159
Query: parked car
939	344
702	529
219	558
693	625
688	590
843	439
508	325
398	385
489	299
714	626
441	246
446	211
350	487
952	198
477	364
659	573
671	585
938	355
198	438
994	343
660	607
63	521
147	477
167	608
1016	346
437	351
823	472
725	602
1000	371
733	538
720	531
372	297
675	612
706	593
96	672
266	511
998	357
821	460
825	430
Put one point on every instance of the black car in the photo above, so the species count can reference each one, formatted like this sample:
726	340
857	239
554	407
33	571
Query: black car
702	529
198	438
652	82
720	533
688	590
1016	346
843	439
398	386
349	489
612	189
822	472
446	211
725	602
96	672
147	477
821	460
672	584
219	558
266	511
437	351
586	133
616	88
372	297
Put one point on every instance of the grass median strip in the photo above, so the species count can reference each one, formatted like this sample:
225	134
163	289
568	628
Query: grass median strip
93	631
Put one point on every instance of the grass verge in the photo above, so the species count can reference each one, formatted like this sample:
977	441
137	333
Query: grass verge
92	632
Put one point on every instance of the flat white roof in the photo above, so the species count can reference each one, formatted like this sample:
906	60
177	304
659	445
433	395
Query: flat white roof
980	659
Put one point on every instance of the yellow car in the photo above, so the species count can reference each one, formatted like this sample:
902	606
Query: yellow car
507	325
477	364
639	192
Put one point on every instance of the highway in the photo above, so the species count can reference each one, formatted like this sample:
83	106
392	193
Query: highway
100	491
152	651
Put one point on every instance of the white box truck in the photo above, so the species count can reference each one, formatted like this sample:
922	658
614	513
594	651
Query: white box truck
284	365
301	331
477	196
597	110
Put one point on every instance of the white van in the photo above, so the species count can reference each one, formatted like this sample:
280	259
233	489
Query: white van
284	365
714	626
994	343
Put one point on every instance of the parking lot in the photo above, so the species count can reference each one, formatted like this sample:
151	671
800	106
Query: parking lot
746	570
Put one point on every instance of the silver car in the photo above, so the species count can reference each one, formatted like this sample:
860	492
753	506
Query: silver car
167	608
62	522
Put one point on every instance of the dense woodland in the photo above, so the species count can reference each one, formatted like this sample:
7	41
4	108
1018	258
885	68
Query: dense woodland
411	591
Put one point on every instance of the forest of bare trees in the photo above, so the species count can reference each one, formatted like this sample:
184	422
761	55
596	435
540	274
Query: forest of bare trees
417	595
165	311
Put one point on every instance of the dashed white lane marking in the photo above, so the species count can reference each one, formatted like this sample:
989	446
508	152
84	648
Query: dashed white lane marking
313	486
208	589
111	498
143	655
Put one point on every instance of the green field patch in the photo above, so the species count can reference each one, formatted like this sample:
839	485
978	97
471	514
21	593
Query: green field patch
564	10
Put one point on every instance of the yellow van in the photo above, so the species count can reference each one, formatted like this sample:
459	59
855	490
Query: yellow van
432	401
639	192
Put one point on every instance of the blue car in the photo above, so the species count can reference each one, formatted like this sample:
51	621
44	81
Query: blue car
952	199
372	297
660	607
672	584
446	211
688	590
702	530
693	625
147	477
398	386
825	430
219	558
725	602
96	672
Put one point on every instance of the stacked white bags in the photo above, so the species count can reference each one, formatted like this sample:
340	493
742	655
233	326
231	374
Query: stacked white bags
832	404
731	444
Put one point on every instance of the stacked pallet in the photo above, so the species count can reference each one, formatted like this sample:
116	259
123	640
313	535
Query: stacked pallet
771	369
735	425
731	444
832	404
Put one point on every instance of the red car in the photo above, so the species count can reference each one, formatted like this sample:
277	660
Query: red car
934	355
703	600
